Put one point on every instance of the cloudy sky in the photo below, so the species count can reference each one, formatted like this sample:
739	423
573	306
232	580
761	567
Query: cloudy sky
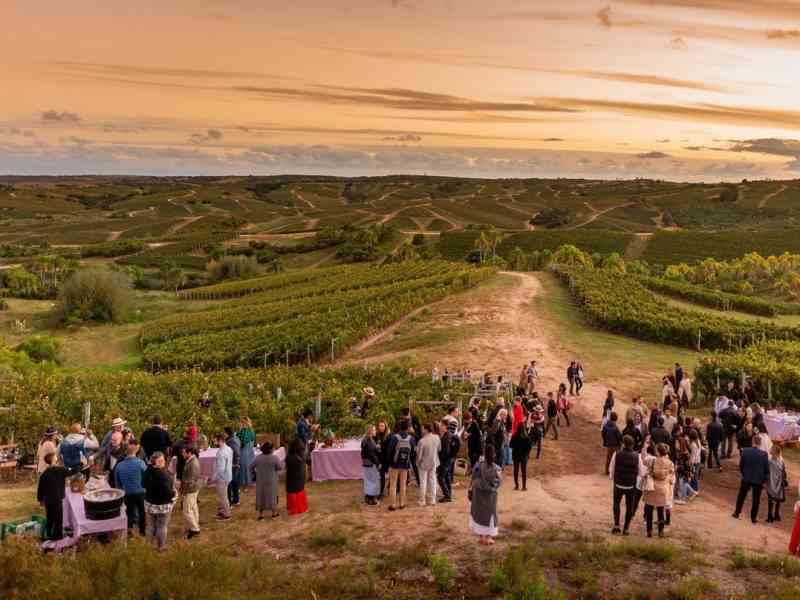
676	89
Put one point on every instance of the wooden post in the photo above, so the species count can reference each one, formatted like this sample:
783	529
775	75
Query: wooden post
769	390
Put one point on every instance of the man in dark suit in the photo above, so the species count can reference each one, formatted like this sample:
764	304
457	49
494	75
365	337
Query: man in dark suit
754	466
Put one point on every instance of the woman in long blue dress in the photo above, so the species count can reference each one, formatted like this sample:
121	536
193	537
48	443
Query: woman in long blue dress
247	437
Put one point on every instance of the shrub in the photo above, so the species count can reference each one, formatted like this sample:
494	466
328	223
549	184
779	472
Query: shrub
96	295
3	304
444	573
234	267
328	538
41	348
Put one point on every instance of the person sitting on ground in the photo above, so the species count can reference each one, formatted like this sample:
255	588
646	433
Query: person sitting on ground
50	494
159	499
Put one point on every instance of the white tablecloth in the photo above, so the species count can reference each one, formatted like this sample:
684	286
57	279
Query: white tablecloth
208	457
782	426
75	517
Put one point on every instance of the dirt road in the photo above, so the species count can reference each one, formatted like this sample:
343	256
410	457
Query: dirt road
568	488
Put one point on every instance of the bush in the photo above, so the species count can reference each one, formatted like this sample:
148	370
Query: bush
234	267
444	573
3	304
96	295
41	348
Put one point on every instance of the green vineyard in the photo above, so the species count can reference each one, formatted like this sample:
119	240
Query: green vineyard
321	322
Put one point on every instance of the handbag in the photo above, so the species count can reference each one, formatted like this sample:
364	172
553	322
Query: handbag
648	484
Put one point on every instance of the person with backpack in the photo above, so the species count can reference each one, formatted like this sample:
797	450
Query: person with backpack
75	449
449	444
612	438
401	456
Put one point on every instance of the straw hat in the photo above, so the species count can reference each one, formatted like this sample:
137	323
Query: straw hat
118	422
368	391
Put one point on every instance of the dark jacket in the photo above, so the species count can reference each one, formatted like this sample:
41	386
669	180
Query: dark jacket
731	421
51	484
474	439
626	468
155	439
552	409
754	466
369	453
498	435
295	474
382	441
521	444
638	439
612	436
235	445
744	439
158	486
659	435
715	433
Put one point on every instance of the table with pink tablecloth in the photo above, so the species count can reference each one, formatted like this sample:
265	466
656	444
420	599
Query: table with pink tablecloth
782	426
337	463
75	518
208	459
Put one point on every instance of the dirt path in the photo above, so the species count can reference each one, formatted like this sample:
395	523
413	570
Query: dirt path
448	220
302	198
185	223
599	213
769	197
568	487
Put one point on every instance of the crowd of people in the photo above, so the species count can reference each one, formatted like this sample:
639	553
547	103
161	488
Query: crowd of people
155	473
655	456
658	457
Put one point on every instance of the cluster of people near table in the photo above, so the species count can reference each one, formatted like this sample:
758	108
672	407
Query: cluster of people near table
155	473
659	455
655	458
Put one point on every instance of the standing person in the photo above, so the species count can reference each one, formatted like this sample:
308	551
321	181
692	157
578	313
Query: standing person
247	441
731	423
428	450
382	436
446	458
794	541
191	479
415	428
537	431
74	449
50	494
635	434
776	485
660	471
155	439
563	405
497	435
754	467
159	498
695	458
401	457
608	405
117	426
522	388
612	438
223	475
572	375
552	416
579	377
474	435
48	445
128	475
264	470
715	435
533	375
518	415
370	462
486	481
521	446
233	485
624	471
678	375
296	498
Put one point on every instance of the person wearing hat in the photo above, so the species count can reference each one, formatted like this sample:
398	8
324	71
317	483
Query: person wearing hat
128	475
369	395
118	425
46	446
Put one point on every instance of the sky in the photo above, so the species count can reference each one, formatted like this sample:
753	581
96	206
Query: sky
685	90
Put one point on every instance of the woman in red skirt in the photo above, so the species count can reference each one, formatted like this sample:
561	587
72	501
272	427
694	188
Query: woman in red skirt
296	499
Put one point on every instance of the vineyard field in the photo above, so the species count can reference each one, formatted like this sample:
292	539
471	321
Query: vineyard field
673	247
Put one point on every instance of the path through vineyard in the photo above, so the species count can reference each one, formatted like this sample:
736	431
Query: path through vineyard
568	488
